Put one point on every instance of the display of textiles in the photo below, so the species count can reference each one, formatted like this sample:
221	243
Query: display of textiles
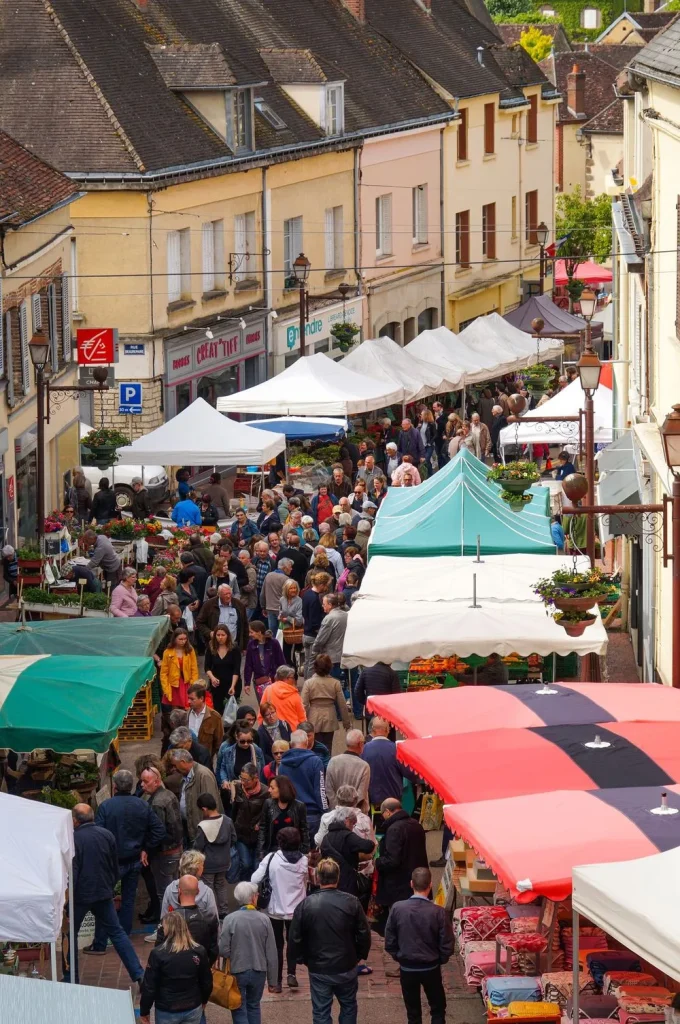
595	1006
482	923
590	937
613	979
525	942
523	924
501	990
614	960
557	986
524	1009
626	1017
481	965
478	947
646	998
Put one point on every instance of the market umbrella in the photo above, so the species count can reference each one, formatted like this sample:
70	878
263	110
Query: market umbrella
65	703
525	706
532	843
109	637
517	762
588	271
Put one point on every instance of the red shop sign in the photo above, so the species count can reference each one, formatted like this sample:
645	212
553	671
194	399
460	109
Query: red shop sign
96	345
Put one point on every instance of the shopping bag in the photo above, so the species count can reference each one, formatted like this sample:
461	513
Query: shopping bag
229	713
225	988
431	812
279	636
234	872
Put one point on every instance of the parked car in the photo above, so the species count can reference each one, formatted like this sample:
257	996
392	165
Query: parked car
120	477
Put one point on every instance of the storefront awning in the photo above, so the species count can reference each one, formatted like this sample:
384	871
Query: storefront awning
618	485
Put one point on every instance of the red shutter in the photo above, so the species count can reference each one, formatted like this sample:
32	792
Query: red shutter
532	120
489	128
677	269
463	135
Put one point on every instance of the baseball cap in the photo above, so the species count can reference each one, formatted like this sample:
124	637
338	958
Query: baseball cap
370	504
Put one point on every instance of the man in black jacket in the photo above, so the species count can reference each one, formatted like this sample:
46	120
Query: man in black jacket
330	934
377	680
203	928
95	873
419	937
402	850
296	556
346	848
136	828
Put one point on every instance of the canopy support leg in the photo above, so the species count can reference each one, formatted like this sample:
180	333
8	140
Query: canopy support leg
71	927
575	920
53	961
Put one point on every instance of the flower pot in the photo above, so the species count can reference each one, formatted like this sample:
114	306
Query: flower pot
574	604
576	628
30	579
517	486
30	563
102	457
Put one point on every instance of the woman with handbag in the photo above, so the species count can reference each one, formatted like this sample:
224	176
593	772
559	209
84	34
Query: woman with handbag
177	980
223	668
281	810
263	657
323	700
247	942
282	881
290	619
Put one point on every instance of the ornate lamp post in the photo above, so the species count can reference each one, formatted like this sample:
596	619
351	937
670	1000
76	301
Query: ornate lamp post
589	371
542	234
301	268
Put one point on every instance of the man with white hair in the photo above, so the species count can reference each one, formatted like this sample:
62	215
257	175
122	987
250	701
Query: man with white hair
247	941
224	610
349	769
305	770
498	422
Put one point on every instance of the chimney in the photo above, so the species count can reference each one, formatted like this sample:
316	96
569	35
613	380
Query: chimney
357	8
576	91
650	6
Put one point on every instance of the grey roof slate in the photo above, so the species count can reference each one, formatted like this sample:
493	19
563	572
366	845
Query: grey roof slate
290	66
192	66
661	57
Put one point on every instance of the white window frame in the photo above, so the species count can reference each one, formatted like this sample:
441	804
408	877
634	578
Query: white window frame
178	244
239	119
383	225
419	210
595	12
334	238
292	244
334	109
212	239
245	244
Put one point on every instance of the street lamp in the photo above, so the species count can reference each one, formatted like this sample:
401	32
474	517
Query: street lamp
589	371
670	436
39	348
542	234
301	268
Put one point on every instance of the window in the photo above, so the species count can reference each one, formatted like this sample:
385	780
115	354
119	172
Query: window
391	330
334	114
245	245
489	128
514	130
591	17
179	265
334	238
269	115
383	225
531	217
239	120
23	342
463	238
292	247
419	202
213	256
52	328
463	134
532	119
489	231
65	318
548	12
513	218
36	311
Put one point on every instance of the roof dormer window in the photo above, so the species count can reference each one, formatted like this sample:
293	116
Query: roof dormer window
239	118
334	114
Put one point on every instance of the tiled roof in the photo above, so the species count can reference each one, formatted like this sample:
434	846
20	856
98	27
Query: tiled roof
601	65
288	67
661	57
193	66
517	66
609	121
28	186
512	34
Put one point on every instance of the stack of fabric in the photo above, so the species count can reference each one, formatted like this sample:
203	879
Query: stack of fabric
614	979
643	1002
599	963
479	924
499	991
479	961
543	1010
591	938
558	986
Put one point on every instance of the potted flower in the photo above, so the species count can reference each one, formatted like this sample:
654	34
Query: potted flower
344	334
573	594
516	502
120	529
574	623
515	477
98	448
30	556
538	377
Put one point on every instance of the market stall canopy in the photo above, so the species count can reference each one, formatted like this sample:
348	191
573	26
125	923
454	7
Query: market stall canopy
491	338
298	428
532	843
558	322
104	637
314	386
34	1002
618	484
517	762
383	359
567	402
67	703
201	436
37	851
636	902
434	347
525	706
402	499
588	271
452	519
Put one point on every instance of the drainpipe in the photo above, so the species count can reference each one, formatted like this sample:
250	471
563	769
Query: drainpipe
357	232
268	332
442	300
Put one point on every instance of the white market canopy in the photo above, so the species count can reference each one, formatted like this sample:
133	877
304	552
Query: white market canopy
201	436
37	853
384	359
396	617
636	902
315	386
567	402
491	336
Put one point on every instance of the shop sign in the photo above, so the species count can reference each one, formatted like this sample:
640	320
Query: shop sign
10	488
187	359
318	327
96	345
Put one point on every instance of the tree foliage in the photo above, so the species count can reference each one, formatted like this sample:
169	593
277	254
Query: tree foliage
500	9
537	44
587	223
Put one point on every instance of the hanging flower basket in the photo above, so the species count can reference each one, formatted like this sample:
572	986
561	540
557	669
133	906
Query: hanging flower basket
572	594
344	334
574	623
98	448
516	502
515	477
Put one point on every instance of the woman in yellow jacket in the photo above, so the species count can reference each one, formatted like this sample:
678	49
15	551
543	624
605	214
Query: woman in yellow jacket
179	669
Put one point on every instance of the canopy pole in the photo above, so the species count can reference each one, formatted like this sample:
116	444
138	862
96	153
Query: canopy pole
464	417
72	952
53	961
554	678
575	922
479	550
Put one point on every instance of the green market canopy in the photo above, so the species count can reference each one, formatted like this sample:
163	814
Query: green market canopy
93	637
67	703
447	518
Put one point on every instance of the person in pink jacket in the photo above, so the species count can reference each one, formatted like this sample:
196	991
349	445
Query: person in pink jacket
124	597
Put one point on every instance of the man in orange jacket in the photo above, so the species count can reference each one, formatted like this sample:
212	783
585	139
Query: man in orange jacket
284	695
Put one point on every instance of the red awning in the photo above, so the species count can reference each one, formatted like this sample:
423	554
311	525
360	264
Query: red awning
533	842
501	763
525	706
589	271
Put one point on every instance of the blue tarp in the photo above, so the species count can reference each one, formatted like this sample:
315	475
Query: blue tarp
303	429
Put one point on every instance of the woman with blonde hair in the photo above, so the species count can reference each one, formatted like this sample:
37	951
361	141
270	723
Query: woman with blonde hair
321	563
166	596
290	615
220	574
271	770
330	543
177	980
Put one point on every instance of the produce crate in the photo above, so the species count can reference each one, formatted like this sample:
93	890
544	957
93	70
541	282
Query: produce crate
138	723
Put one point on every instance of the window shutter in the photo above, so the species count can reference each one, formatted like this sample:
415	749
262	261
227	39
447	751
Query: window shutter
37	313
386	225
65	319
174	275
532	120
240	244
218	253
329	238
2	339
10	361
208	258
489	133
463	135
339	237
287	261
25	356
52	331
298	237
490	211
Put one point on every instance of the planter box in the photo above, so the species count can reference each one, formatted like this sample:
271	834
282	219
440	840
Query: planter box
31	579
30	563
56	610
516	486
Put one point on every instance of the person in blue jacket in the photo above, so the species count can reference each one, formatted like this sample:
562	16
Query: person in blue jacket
186	513
305	770
242	529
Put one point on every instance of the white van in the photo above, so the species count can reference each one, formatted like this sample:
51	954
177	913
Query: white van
120	477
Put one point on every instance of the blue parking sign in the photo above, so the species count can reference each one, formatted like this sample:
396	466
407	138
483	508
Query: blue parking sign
130	398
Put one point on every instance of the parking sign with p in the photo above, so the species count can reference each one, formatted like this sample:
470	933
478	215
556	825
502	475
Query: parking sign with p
130	398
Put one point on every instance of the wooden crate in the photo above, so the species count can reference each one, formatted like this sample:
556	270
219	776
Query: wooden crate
138	723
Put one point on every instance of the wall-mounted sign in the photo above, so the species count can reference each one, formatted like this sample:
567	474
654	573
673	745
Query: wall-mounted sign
97	345
133	350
